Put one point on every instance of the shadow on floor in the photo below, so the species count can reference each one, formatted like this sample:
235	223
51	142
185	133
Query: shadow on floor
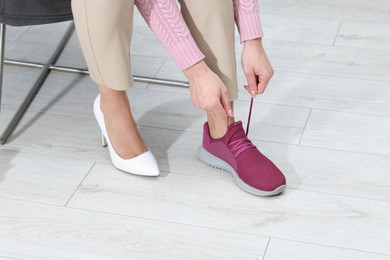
161	143
24	127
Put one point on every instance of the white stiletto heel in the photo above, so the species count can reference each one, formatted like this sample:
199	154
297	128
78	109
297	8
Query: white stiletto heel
143	164
104	142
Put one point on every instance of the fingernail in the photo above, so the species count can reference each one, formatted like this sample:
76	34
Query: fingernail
253	94
230	113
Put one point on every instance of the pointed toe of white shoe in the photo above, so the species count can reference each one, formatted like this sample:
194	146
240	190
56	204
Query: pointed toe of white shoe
144	164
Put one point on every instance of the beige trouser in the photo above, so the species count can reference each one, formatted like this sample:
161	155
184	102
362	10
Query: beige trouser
105	27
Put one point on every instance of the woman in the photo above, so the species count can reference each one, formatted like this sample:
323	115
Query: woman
201	41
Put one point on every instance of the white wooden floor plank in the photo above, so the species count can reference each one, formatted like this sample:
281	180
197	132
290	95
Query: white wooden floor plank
13	33
282	249
331	171
71	117
300	28
348	131
39	178
353	223
364	35
175	111
333	93
328	171
35	231
306	90
361	10
329	60
61	136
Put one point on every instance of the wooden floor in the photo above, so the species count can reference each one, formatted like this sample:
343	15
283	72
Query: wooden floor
324	120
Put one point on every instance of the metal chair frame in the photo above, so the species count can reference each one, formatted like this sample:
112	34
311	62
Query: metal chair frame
46	69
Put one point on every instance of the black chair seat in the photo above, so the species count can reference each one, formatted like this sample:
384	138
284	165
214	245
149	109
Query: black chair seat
32	12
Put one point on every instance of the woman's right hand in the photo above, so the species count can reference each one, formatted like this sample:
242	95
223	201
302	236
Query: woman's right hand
208	92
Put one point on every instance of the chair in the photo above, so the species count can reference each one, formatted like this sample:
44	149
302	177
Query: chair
34	12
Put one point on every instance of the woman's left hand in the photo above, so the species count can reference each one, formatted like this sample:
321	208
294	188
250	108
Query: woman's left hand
257	68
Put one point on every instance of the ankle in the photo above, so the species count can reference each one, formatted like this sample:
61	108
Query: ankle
111	99
109	93
218	126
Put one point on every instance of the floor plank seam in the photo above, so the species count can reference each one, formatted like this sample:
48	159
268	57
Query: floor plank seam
321	108
200	176
165	58
90	118
304	127
339	195
304	16
159	68
333	46
165	221
362	21
331	246
78	186
341	150
363	48
354	113
331	75
338	32
190	175
196	132
31	201
122	214
11	257
256	100
276	142
281	196
17	149
196	226
186	94
22	34
227	230
266	248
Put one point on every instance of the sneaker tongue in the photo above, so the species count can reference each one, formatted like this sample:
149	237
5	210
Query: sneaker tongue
235	132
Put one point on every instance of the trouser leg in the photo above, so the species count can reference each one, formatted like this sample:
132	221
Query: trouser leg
104	28
211	23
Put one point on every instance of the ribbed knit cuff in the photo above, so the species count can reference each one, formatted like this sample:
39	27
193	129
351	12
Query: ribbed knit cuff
186	53
249	26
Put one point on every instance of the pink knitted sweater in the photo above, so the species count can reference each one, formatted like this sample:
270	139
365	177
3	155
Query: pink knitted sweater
164	18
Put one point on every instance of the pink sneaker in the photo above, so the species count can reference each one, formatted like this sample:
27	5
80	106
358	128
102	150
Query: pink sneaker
235	153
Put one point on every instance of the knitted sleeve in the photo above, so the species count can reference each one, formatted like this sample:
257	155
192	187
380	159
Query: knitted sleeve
246	15
166	21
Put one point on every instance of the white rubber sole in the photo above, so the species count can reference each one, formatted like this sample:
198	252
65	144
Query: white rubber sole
215	162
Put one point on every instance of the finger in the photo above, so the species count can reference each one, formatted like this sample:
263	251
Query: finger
251	91
262	84
225	101
252	83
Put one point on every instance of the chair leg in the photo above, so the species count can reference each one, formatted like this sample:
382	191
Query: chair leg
37	86
2	47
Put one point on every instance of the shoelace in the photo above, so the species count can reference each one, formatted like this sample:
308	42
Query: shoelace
240	145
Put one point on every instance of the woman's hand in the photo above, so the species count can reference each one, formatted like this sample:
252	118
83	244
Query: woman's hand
257	68
207	90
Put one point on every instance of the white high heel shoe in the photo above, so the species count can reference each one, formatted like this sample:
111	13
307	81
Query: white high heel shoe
143	164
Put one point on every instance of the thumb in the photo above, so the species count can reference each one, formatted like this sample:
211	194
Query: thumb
262	84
